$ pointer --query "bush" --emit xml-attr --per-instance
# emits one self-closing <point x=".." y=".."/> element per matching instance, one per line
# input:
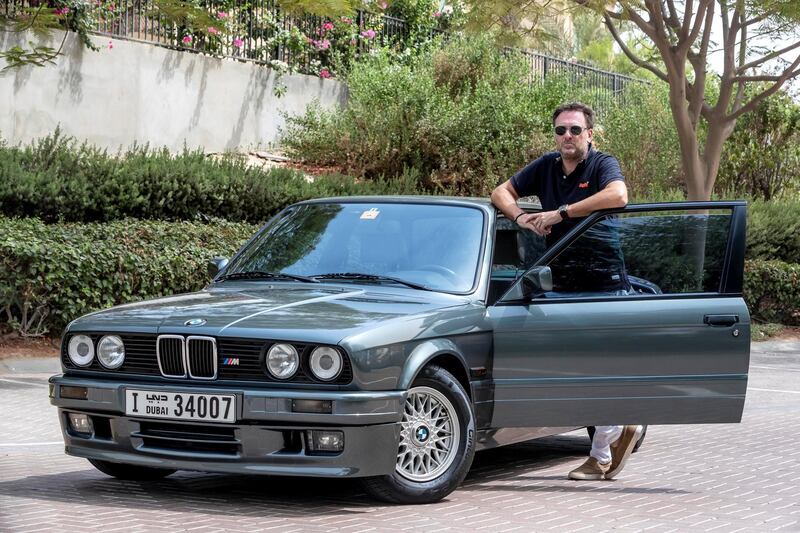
<point x="464" y="116"/>
<point x="55" y="273"/>
<point x="762" y="156"/>
<point x="58" y="180"/>
<point x="772" y="291"/>
<point x="773" y="230"/>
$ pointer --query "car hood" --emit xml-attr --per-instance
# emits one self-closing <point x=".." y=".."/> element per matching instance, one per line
<point x="324" y="314"/>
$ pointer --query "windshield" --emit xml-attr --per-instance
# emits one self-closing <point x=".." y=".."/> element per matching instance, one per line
<point x="434" y="246"/>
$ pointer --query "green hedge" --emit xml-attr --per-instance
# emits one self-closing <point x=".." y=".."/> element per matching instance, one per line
<point x="772" y="291"/>
<point x="58" y="180"/>
<point x="773" y="230"/>
<point x="52" y="274"/>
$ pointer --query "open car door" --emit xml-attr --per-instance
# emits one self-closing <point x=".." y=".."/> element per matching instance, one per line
<point x="634" y="317"/>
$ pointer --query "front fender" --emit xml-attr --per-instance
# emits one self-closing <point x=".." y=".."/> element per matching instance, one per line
<point x="423" y="354"/>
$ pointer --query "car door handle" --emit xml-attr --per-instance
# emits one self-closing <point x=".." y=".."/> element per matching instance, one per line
<point x="721" y="320"/>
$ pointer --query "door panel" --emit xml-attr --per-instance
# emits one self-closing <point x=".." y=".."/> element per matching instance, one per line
<point x="646" y="361"/>
<point x="645" y="325"/>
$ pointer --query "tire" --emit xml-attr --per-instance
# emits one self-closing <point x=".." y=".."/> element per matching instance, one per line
<point x="130" y="472"/>
<point x="590" y="431"/>
<point x="427" y="470"/>
<point x="641" y="439"/>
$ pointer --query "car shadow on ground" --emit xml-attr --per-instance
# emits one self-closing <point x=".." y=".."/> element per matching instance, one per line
<point x="274" y="496"/>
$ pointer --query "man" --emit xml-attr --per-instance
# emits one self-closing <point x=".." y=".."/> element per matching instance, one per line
<point x="571" y="183"/>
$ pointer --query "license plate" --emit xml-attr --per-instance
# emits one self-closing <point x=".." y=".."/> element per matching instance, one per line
<point x="181" y="405"/>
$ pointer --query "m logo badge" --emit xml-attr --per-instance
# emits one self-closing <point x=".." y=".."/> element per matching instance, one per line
<point x="230" y="361"/>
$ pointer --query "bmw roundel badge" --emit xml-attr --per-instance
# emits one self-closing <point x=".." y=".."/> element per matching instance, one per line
<point x="195" y="322"/>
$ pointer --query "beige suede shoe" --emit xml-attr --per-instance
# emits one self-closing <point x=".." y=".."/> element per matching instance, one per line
<point x="591" y="470"/>
<point x="621" y="449"/>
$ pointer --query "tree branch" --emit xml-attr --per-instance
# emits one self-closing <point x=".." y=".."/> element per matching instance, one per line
<point x="768" y="57"/>
<point x="737" y="101"/>
<point x="699" y="24"/>
<point x="629" y="53"/>
<point x="756" y="20"/>
<point x="792" y="72"/>
<point x="687" y="18"/>
<point x="673" y="19"/>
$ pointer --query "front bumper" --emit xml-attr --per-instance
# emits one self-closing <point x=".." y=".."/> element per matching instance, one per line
<point x="267" y="437"/>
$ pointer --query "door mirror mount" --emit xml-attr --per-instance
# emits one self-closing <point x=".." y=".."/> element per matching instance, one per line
<point x="534" y="282"/>
<point x="216" y="265"/>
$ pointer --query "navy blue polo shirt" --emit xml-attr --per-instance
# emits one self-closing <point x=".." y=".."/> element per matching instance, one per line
<point x="545" y="179"/>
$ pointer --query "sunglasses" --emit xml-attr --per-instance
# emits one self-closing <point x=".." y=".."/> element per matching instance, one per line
<point x="574" y="130"/>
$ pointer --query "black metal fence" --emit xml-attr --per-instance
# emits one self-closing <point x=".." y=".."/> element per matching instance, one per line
<point x="261" y="31"/>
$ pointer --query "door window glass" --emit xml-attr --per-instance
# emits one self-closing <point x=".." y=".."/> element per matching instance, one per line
<point x="659" y="252"/>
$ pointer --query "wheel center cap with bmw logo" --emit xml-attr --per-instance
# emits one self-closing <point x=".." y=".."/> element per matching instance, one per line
<point x="195" y="322"/>
<point x="421" y="434"/>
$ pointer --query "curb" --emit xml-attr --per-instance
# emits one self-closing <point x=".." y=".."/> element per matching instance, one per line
<point x="31" y="365"/>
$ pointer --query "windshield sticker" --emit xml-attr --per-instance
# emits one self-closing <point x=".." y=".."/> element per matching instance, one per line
<point x="372" y="214"/>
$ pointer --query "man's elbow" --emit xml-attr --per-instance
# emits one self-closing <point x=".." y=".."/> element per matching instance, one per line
<point x="622" y="198"/>
<point x="619" y="196"/>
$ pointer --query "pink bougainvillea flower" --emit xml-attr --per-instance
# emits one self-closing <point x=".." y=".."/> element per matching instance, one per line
<point x="323" y="44"/>
<point x="238" y="43"/>
<point x="328" y="26"/>
<point x="187" y="39"/>
<point x="383" y="4"/>
<point x="324" y="73"/>
<point x="62" y="11"/>
<point x="221" y="15"/>
<point x="369" y="34"/>
<point x="213" y="31"/>
<point x="437" y="14"/>
<point x="346" y="20"/>
<point x="110" y="45"/>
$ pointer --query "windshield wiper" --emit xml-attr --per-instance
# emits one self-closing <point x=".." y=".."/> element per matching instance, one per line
<point x="257" y="274"/>
<point x="370" y="277"/>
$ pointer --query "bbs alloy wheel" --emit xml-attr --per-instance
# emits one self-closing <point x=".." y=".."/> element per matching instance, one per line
<point x="437" y="442"/>
<point x="429" y="435"/>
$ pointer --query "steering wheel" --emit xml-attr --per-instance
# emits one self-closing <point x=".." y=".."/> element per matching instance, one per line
<point x="444" y="271"/>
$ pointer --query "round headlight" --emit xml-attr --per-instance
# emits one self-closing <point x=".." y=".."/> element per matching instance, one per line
<point x="282" y="361"/>
<point x="111" y="352"/>
<point x="81" y="350"/>
<point x="326" y="363"/>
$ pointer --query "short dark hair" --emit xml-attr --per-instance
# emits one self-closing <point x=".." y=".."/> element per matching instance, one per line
<point x="576" y="106"/>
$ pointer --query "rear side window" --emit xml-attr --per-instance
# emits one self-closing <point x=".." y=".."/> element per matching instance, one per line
<point x="658" y="252"/>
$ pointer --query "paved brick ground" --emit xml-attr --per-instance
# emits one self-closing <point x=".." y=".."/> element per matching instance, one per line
<point x="724" y="478"/>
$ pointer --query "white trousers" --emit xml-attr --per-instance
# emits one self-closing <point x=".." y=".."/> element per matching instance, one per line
<point x="601" y="443"/>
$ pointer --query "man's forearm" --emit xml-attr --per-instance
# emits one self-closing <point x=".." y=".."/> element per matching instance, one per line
<point x="506" y="202"/>
<point x="608" y="198"/>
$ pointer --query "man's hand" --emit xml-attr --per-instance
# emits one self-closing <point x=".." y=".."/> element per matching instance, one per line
<point x="540" y="223"/>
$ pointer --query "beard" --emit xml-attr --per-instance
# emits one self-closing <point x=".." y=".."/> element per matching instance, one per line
<point x="577" y="153"/>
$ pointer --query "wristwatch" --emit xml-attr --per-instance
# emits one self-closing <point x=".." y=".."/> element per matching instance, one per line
<point x="563" y="211"/>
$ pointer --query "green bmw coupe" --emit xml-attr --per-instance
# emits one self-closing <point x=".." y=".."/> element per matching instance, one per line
<point x="389" y="338"/>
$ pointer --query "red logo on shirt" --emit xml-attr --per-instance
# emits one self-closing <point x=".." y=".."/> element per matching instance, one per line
<point x="583" y="185"/>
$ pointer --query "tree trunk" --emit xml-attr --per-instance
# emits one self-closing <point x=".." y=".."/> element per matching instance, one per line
<point x="693" y="167"/>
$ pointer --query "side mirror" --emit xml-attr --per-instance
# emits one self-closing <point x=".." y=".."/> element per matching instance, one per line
<point x="534" y="282"/>
<point x="216" y="265"/>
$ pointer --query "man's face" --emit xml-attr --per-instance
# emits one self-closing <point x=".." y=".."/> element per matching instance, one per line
<point x="572" y="147"/>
